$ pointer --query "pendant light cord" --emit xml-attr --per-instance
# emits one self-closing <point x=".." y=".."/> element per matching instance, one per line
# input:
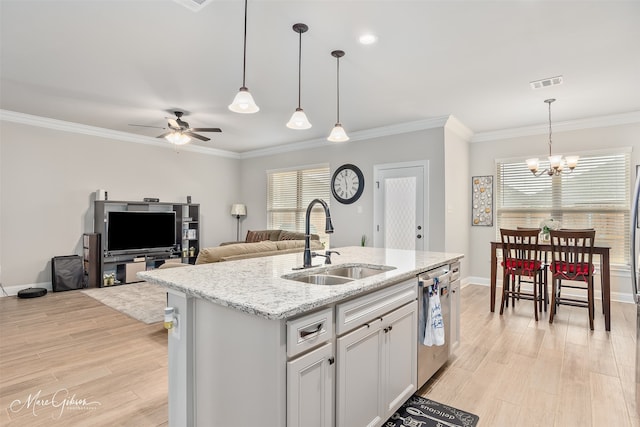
<point x="244" y="57"/>
<point x="338" y="89"/>
<point x="550" y="128"/>
<point x="299" y="67"/>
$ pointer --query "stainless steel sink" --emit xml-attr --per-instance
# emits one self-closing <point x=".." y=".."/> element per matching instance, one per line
<point x="338" y="274"/>
<point x="356" y="271"/>
<point x="323" y="279"/>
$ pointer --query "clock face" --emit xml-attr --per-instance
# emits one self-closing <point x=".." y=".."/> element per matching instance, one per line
<point x="347" y="184"/>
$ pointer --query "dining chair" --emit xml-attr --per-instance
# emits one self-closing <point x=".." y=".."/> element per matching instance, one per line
<point x="572" y="260"/>
<point x="542" y="271"/>
<point x="521" y="258"/>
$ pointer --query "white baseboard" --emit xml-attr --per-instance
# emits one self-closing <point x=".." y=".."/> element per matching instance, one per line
<point x="13" y="290"/>
<point x="615" y="296"/>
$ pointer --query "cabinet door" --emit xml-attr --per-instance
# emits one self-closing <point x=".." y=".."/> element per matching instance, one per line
<point x="310" y="385"/>
<point x="454" y="322"/>
<point x="400" y="356"/>
<point x="359" y="378"/>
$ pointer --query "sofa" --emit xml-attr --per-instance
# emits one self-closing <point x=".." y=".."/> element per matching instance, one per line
<point x="257" y="244"/>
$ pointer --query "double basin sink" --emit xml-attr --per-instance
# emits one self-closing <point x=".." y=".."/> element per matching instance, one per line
<point x="338" y="274"/>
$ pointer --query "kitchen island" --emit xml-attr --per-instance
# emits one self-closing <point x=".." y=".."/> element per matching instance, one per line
<point x="243" y="331"/>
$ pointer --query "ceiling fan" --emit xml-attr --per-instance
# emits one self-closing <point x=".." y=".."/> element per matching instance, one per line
<point x="180" y="132"/>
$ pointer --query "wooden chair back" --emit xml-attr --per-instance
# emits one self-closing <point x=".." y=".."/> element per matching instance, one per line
<point x="520" y="251"/>
<point x="572" y="254"/>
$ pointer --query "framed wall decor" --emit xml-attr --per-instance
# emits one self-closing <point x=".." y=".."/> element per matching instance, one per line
<point x="482" y="200"/>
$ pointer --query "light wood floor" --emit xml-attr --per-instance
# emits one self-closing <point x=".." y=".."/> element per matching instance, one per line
<point x="513" y="371"/>
<point x="509" y="370"/>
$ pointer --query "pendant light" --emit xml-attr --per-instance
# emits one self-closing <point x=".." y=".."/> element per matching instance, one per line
<point x="243" y="102"/>
<point x="337" y="133"/>
<point x="299" y="118"/>
<point x="557" y="162"/>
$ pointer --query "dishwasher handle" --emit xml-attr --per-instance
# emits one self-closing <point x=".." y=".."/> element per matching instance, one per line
<point x="429" y="281"/>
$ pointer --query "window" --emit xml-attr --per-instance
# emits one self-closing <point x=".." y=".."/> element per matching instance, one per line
<point x="595" y="195"/>
<point x="290" y="192"/>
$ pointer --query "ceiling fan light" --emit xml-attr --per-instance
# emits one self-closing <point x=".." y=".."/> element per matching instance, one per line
<point x="243" y="102"/>
<point x="299" y="120"/>
<point x="338" y="134"/>
<point x="178" y="138"/>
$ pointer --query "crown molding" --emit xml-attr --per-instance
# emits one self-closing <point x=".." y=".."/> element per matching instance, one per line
<point x="589" y="123"/>
<point x="432" y="123"/>
<point x="61" y="125"/>
<point x="459" y="128"/>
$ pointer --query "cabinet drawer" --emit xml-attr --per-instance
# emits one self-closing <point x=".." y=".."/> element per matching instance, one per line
<point x="359" y="311"/>
<point x="455" y="271"/>
<point x="309" y="331"/>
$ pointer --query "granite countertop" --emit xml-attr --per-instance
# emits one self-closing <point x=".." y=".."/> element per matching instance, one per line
<point x="255" y="285"/>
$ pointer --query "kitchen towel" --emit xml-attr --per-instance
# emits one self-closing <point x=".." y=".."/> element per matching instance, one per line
<point x="434" y="324"/>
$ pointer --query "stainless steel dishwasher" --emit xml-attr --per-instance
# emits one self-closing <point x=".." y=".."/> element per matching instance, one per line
<point x="430" y="359"/>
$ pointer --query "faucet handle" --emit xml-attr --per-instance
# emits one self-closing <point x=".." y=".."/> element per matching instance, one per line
<point x="331" y="252"/>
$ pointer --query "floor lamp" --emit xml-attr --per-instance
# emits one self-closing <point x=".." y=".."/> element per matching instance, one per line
<point x="238" y="210"/>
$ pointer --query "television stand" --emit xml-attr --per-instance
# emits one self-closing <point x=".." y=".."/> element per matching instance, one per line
<point x="124" y="266"/>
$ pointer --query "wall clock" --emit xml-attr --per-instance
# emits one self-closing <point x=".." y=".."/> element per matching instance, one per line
<point x="347" y="183"/>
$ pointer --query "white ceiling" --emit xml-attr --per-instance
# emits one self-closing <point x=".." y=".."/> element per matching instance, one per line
<point x="114" y="63"/>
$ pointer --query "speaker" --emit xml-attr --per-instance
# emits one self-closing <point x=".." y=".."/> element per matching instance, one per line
<point x="66" y="273"/>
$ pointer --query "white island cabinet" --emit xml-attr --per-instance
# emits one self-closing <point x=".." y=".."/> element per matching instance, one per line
<point x="252" y="348"/>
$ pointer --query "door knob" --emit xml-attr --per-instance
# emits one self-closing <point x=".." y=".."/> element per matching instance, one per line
<point x="419" y="236"/>
<point x="419" y="227"/>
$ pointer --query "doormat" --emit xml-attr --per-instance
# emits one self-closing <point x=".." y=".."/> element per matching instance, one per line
<point x="419" y="411"/>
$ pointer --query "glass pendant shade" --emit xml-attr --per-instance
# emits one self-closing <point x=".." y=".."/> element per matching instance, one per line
<point x="178" y="138"/>
<point x="338" y="134"/>
<point x="299" y="120"/>
<point x="533" y="164"/>
<point x="243" y="103"/>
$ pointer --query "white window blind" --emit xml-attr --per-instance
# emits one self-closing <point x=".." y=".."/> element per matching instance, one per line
<point x="595" y="195"/>
<point x="288" y="195"/>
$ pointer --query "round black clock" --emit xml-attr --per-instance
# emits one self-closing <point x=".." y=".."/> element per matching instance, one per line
<point x="347" y="184"/>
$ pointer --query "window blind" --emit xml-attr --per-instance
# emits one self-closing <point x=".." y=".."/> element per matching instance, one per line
<point x="595" y="195"/>
<point x="288" y="195"/>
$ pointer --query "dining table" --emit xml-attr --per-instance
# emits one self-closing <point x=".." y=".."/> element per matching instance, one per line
<point x="605" y="274"/>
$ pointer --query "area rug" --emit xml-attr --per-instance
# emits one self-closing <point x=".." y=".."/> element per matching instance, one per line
<point x="422" y="412"/>
<point x="142" y="301"/>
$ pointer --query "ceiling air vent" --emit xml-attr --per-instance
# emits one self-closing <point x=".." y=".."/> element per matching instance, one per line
<point x="551" y="81"/>
<point x="194" y="5"/>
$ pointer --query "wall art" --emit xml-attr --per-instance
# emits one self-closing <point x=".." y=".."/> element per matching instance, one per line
<point x="482" y="200"/>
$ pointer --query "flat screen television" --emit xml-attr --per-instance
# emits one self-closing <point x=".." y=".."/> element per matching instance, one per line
<point x="140" y="231"/>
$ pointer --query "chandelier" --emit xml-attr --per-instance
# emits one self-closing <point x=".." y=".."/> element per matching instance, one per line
<point x="557" y="163"/>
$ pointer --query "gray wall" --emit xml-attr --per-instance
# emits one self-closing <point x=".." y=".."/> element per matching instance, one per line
<point x="483" y="155"/>
<point x="47" y="184"/>
<point x="349" y="223"/>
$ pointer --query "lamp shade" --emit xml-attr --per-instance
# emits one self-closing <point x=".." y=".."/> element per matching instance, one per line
<point x="338" y="134"/>
<point x="243" y="103"/>
<point x="178" y="138"/>
<point x="238" y="209"/>
<point x="299" y="120"/>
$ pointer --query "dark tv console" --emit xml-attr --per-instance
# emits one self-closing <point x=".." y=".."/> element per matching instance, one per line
<point x="143" y="236"/>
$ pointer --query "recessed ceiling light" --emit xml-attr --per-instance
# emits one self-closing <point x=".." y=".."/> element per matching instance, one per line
<point x="368" y="38"/>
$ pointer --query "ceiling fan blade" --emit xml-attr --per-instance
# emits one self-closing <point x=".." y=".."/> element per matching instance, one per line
<point x="206" y="130"/>
<point x="195" y="135"/>
<point x="146" y="126"/>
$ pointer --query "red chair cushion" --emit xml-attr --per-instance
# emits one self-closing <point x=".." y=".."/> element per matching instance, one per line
<point x="524" y="265"/>
<point x="568" y="270"/>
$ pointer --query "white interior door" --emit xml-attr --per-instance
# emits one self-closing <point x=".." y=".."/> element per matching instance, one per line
<point x="399" y="206"/>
